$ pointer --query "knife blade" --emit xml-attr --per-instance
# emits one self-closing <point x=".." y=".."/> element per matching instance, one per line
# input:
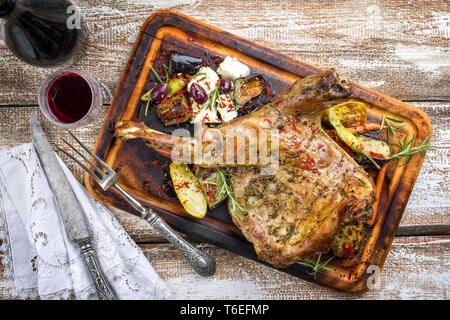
<point x="69" y="209"/>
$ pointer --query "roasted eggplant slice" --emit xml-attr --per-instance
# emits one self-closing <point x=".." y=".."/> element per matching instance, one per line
<point x="174" y="110"/>
<point x="184" y="64"/>
<point x="247" y="89"/>
<point x="376" y="148"/>
<point x="372" y="144"/>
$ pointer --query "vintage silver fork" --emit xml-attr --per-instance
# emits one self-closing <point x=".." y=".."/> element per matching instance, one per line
<point x="200" y="261"/>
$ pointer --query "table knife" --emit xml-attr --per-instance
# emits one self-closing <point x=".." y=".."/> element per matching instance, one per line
<point x="69" y="209"/>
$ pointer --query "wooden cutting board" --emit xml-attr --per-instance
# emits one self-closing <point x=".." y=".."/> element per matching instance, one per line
<point x="144" y="173"/>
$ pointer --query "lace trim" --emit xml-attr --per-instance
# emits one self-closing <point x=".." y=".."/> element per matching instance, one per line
<point x="7" y="261"/>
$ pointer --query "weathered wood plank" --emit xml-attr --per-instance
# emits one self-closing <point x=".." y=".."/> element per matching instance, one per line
<point x="398" y="47"/>
<point x="429" y="203"/>
<point x="416" y="268"/>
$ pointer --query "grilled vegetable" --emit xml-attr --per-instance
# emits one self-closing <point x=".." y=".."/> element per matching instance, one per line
<point x="184" y="64"/>
<point x="174" y="110"/>
<point x="347" y="241"/>
<point x="349" y="138"/>
<point x="351" y="113"/>
<point x="188" y="189"/>
<point x="212" y="185"/>
<point x="175" y="85"/>
<point x="247" y="89"/>
<point x="376" y="148"/>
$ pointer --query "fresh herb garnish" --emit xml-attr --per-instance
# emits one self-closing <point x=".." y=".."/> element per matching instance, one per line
<point x="315" y="266"/>
<point x="212" y="101"/>
<point x="407" y="150"/>
<point x="225" y="187"/>
<point x="156" y="74"/>
<point x="391" y="128"/>
<point x="146" y="96"/>
<point x="405" y="145"/>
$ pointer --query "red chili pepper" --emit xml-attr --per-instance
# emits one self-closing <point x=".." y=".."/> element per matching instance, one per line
<point x="267" y="90"/>
<point x="155" y="162"/>
<point x="294" y="125"/>
<point x="211" y="195"/>
<point x="376" y="155"/>
<point x="165" y="165"/>
<point x="145" y="163"/>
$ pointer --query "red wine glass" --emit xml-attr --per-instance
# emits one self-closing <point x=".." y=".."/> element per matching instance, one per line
<point x="70" y="98"/>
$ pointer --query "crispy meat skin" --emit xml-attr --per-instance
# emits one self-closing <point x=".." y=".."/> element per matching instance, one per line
<point x="295" y="212"/>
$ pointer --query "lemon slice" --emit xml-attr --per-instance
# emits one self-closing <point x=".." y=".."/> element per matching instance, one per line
<point x="188" y="189"/>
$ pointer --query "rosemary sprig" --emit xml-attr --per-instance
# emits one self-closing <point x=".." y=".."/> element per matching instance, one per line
<point x="315" y="266"/>
<point x="407" y="150"/>
<point x="405" y="145"/>
<point x="212" y="102"/>
<point x="391" y="128"/>
<point x="156" y="74"/>
<point x="146" y="96"/>
<point x="225" y="187"/>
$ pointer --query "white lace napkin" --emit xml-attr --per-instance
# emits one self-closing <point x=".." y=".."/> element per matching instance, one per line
<point x="39" y="259"/>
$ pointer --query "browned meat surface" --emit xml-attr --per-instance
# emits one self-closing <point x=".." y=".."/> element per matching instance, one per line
<point x="295" y="211"/>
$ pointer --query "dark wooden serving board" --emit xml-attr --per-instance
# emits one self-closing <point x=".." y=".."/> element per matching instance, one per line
<point x="144" y="174"/>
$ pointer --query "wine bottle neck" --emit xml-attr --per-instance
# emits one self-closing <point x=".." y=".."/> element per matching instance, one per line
<point x="6" y="6"/>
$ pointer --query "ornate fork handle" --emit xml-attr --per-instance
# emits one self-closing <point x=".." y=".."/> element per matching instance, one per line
<point x="202" y="263"/>
<point x="105" y="292"/>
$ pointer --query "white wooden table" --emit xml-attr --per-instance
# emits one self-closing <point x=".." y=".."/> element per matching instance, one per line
<point x="400" y="48"/>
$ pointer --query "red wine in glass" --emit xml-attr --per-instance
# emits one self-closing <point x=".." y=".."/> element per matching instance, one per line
<point x="70" y="98"/>
<point x="37" y="31"/>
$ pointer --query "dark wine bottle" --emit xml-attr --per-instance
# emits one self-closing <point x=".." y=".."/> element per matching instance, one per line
<point x="38" y="32"/>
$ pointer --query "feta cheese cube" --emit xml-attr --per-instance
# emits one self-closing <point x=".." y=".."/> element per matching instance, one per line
<point x="226" y="107"/>
<point x="232" y="69"/>
<point x="207" y="78"/>
<point x="199" y="112"/>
